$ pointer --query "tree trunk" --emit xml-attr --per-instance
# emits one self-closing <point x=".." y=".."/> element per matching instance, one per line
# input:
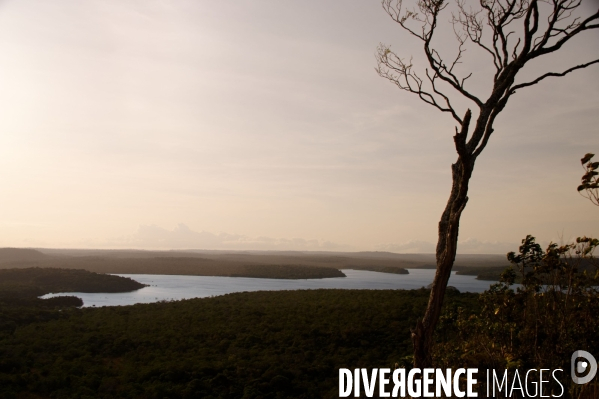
<point x="422" y="335"/>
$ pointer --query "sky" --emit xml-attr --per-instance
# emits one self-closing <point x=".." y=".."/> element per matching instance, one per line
<point x="204" y="124"/>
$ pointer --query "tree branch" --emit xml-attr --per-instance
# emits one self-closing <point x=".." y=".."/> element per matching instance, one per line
<point x="517" y="36"/>
<point x="394" y="69"/>
<point x="556" y="74"/>
<point x="569" y="32"/>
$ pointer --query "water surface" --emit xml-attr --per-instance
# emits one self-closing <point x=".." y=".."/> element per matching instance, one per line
<point x="167" y="287"/>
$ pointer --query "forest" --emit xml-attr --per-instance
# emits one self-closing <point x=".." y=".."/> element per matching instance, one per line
<point x="288" y="344"/>
<point x="245" y="345"/>
<point x="20" y="290"/>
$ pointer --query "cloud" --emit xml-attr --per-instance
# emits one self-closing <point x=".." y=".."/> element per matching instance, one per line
<point x="182" y="237"/>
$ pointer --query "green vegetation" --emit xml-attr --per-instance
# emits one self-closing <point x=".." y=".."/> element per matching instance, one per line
<point x="65" y="280"/>
<point x="589" y="183"/>
<point x="286" y="344"/>
<point x="540" y="324"/>
<point x="188" y="267"/>
<point x="280" y="344"/>
<point x="20" y="289"/>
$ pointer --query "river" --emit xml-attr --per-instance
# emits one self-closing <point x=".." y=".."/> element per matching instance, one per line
<point x="168" y="287"/>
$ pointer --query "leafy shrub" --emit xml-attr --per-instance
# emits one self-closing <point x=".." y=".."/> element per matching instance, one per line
<point x="540" y="323"/>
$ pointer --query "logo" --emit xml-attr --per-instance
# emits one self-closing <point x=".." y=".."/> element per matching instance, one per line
<point x="579" y="367"/>
<point x="430" y="382"/>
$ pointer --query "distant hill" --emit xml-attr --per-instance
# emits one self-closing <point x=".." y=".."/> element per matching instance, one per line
<point x="264" y="264"/>
<point x="10" y="255"/>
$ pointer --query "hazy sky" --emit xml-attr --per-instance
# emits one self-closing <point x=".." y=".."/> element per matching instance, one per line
<point x="263" y="125"/>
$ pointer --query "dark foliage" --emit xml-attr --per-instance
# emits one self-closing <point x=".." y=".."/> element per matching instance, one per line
<point x="539" y="324"/>
<point x="589" y="183"/>
<point x="190" y="266"/>
<point x="65" y="280"/>
<point x="247" y="345"/>
<point x="20" y="289"/>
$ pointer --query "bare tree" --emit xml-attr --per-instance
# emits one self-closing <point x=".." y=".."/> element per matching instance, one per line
<point x="512" y="33"/>
<point x="589" y="187"/>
